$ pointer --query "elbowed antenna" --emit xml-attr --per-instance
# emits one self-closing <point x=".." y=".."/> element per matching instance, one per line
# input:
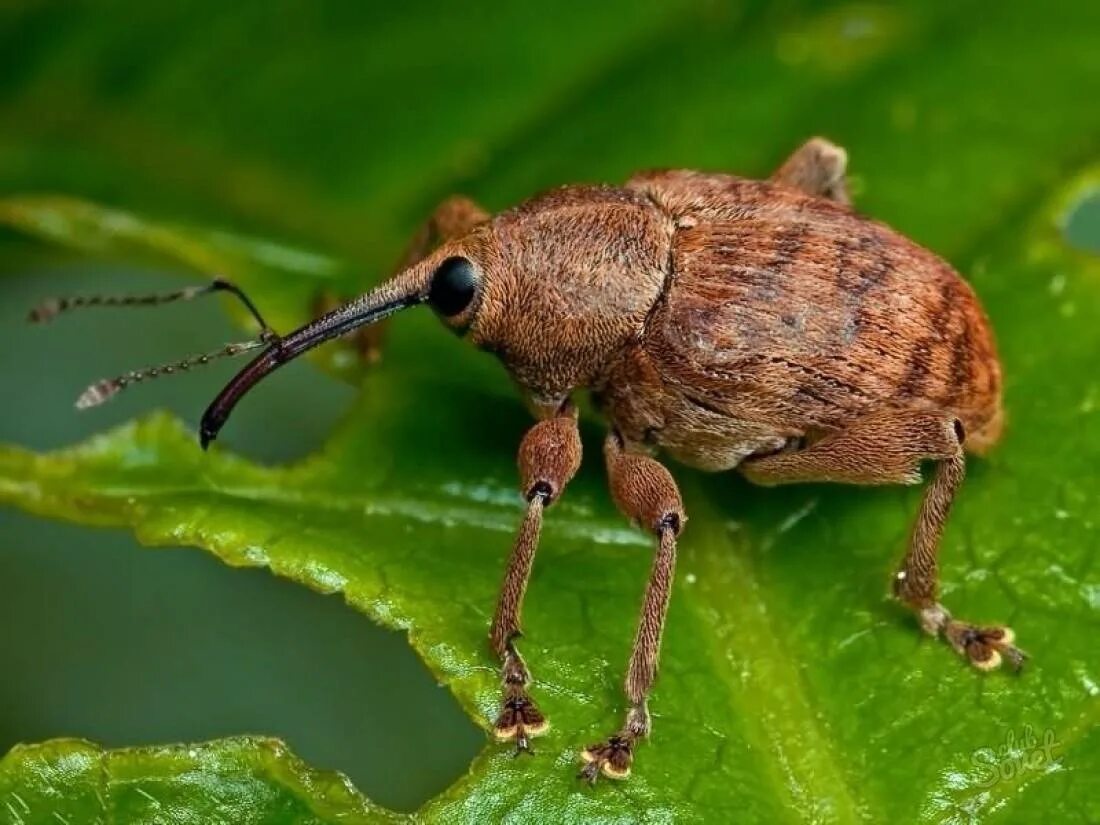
<point x="405" y="290"/>
<point x="106" y="389"/>
<point x="52" y="307"/>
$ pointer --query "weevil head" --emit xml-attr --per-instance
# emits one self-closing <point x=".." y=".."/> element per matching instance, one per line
<point x="555" y="288"/>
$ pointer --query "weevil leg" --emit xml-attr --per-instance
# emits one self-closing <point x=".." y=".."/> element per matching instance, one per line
<point x="645" y="491"/>
<point x="452" y="218"/>
<point x="888" y="448"/>
<point x="549" y="456"/>
<point x="917" y="580"/>
<point x="519" y="717"/>
<point x="455" y="216"/>
<point x="818" y="168"/>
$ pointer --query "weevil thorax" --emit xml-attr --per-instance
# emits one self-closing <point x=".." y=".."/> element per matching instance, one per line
<point x="565" y="281"/>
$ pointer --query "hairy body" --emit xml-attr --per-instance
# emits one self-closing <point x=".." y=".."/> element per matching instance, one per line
<point x="785" y="317"/>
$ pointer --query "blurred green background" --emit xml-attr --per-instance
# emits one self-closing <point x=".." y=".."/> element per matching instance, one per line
<point x="335" y="127"/>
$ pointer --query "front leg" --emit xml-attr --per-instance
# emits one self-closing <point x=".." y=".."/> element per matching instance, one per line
<point x="645" y="491"/>
<point x="817" y="167"/>
<point x="453" y="218"/>
<point x="549" y="457"/>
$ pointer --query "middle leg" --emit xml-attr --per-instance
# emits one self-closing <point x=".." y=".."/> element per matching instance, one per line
<point x="646" y="492"/>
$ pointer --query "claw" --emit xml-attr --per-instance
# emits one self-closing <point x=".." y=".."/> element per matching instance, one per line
<point x="519" y="719"/>
<point x="985" y="647"/>
<point x="612" y="758"/>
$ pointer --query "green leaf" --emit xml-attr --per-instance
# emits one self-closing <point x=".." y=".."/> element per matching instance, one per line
<point x="244" y="780"/>
<point x="792" y="688"/>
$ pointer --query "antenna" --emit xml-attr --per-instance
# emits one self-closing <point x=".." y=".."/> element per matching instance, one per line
<point x="106" y="389"/>
<point x="52" y="307"/>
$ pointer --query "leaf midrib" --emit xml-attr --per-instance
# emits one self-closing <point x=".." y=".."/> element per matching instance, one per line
<point x="781" y="721"/>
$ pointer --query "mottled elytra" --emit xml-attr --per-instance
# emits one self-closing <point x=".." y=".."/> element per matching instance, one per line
<point x="729" y="323"/>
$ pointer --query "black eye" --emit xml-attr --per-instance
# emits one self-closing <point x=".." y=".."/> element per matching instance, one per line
<point x="453" y="287"/>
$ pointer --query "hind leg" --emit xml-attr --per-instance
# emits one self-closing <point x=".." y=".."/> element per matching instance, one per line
<point x="887" y="448"/>
<point x="817" y="167"/>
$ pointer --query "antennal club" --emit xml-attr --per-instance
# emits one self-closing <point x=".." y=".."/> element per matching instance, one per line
<point x="106" y="389"/>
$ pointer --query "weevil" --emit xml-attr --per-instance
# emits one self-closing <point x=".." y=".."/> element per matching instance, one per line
<point x="732" y="324"/>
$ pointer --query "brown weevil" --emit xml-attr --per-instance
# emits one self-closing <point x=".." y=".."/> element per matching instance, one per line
<point x="731" y="323"/>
